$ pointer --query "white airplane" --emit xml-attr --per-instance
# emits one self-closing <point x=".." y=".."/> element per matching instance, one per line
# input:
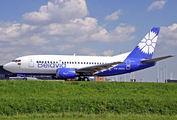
<point x="81" y="67"/>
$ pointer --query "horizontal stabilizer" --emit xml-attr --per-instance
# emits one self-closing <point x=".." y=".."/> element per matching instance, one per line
<point x="157" y="59"/>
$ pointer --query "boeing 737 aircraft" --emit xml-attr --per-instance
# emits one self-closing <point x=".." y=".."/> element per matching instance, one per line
<point x="81" y="67"/>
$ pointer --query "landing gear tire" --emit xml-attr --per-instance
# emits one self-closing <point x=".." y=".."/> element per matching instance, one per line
<point x="24" y="78"/>
<point x="86" y="79"/>
<point x="81" y="78"/>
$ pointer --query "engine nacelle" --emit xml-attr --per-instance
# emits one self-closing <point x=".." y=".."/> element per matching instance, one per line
<point x="65" y="73"/>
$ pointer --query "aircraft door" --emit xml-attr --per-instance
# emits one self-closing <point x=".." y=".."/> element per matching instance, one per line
<point x="31" y="62"/>
<point x="128" y="64"/>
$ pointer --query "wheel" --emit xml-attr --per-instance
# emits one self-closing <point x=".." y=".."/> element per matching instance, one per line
<point x="76" y="79"/>
<point x="24" y="78"/>
<point x="86" y="79"/>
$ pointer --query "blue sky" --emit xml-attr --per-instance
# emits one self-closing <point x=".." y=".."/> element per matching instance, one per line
<point x="88" y="27"/>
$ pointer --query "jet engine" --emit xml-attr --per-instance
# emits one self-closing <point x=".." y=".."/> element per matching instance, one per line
<point x="65" y="73"/>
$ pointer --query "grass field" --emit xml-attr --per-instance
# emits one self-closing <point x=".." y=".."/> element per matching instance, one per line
<point x="53" y="99"/>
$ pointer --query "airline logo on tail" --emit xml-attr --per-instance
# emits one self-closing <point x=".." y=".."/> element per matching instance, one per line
<point x="145" y="48"/>
<point x="148" y="43"/>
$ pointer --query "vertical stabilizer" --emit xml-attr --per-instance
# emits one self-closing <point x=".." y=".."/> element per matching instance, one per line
<point x="145" y="48"/>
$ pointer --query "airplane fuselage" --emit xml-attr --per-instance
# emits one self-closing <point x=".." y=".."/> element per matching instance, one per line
<point x="48" y="64"/>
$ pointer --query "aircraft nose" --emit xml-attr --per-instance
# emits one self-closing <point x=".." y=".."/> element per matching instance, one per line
<point x="7" y="66"/>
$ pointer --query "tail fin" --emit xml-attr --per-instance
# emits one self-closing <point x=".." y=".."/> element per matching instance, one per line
<point x="145" y="48"/>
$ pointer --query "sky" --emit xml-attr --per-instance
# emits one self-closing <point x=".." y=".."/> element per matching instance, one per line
<point x="89" y="27"/>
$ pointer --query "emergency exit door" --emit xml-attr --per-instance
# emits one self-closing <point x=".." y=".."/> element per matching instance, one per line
<point x="31" y="62"/>
<point x="128" y="64"/>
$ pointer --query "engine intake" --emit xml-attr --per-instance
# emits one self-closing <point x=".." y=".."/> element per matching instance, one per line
<point x="65" y="73"/>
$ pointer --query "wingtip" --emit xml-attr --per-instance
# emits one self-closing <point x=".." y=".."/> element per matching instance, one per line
<point x="172" y="55"/>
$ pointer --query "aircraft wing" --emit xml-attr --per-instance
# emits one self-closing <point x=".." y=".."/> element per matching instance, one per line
<point x="97" y="68"/>
<point x="157" y="59"/>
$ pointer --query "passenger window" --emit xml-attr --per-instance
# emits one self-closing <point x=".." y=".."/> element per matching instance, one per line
<point x="78" y="62"/>
<point x="53" y="61"/>
<point x="81" y="62"/>
<point x="36" y="61"/>
<point x="56" y="61"/>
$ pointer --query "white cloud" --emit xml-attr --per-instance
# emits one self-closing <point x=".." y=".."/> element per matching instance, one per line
<point x="59" y="11"/>
<point x="75" y="27"/>
<point x="119" y="34"/>
<point x="87" y="51"/>
<point x="88" y="24"/>
<point x="92" y="54"/>
<point x="102" y="35"/>
<point x="168" y="36"/>
<point x="157" y="5"/>
<point x="79" y="39"/>
<point x="36" y="40"/>
<point x="12" y="32"/>
<point x="8" y="49"/>
<point x="47" y="48"/>
<point x="114" y="15"/>
<point x="62" y="47"/>
<point x="21" y="34"/>
<point x="108" y="52"/>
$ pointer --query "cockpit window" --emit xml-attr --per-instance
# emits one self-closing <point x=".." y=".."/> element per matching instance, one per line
<point x="16" y="60"/>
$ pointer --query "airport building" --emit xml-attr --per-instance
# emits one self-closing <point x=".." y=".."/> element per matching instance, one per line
<point x="4" y="74"/>
<point x="100" y="78"/>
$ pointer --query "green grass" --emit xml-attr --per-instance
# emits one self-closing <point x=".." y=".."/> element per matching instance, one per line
<point x="81" y="116"/>
<point x="88" y="99"/>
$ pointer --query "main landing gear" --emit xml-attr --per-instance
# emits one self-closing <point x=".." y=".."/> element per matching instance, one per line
<point x="82" y="78"/>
